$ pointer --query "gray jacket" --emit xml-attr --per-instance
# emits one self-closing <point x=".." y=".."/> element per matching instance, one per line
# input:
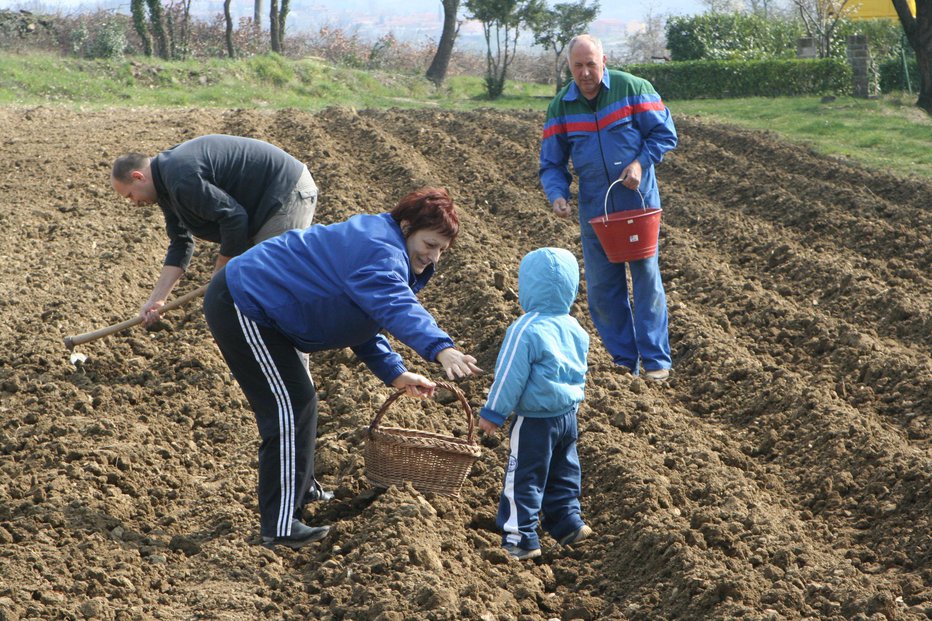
<point x="221" y="189"/>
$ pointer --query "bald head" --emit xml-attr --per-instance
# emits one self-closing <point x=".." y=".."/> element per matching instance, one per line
<point x="587" y="64"/>
<point x="588" y="40"/>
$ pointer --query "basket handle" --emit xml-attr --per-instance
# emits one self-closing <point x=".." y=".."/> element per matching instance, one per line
<point x="451" y="387"/>
<point x="609" y="190"/>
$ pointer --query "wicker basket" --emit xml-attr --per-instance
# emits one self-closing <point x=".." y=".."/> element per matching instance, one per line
<point x="431" y="462"/>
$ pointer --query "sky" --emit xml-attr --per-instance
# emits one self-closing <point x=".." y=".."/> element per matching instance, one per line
<point x="413" y="20"/>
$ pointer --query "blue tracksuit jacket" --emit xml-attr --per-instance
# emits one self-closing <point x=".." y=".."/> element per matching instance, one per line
<point x="334" y="286"/>
<point x="541" y="367"/>
<point x="630" y="122"/>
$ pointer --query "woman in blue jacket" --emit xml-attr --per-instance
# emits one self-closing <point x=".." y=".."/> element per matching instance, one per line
<point x="327" y="287"/>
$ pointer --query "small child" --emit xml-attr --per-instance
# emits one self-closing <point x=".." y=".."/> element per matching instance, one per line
<point x="540" y="375"/>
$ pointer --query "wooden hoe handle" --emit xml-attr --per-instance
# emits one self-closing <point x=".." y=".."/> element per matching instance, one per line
<point x="71" y="341"/>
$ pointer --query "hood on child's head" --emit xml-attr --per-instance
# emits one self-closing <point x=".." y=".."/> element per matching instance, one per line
<point x="548" y="280"/>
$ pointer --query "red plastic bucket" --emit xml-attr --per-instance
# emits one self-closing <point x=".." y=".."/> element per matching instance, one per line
<point x="627" y="235"/>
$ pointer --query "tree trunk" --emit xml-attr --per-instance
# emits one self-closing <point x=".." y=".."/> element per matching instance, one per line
<point x="918" y="31"/>
<point x="157" y="20"/>
<point x="923" y="47"/>
<point x="282" y="18"/>
<point x="273" y="27"/>
<point x="924" y="58"/>
<point x="170" y="30"/>
<point x="182" y="43"/>
<point x="228" y="18"/>
<point x="437" y="72"/>
<point x="257" y="15"/>
<point x="559" y="68"/>
<point x="138" y="10"/>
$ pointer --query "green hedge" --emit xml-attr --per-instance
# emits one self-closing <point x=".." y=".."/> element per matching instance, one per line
<point x="716" y="79"/>
<point x="731" y="36"/>
<point x="739" y="36"/>
<point x="892" y="77"/>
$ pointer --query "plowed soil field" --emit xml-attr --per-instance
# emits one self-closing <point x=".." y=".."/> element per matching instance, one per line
<point x="782" y="473"/>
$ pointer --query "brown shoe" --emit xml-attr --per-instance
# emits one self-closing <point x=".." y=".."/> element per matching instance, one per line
<point x="576" y="536"/>
<point x="522" y="554"/>
<point x="658" y="375"/>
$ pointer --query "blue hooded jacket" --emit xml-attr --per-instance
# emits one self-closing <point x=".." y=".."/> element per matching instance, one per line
<point x="541" y="367"/>
<point x="334" y="286"/>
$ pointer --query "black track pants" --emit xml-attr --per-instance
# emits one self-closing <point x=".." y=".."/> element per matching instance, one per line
<point x="277" y="384"/>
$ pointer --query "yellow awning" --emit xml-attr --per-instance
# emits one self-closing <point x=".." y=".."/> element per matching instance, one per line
<point x="874" y="9"/>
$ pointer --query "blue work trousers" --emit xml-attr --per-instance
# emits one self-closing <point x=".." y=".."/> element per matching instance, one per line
<point x="634" y="340"/>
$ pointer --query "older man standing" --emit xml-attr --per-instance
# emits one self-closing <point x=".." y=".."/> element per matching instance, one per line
<point x="614" y="126"/>
<point x="228" y="189"/>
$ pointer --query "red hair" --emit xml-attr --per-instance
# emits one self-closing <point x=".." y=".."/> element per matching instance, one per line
<point x="428" y="208"/>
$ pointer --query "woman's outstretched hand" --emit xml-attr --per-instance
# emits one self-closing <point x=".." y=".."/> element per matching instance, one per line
<point x="415" y="385"/>
<point x="456" y="364"/>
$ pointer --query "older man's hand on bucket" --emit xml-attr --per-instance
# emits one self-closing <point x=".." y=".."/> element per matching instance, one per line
<point x="631" y="175"/>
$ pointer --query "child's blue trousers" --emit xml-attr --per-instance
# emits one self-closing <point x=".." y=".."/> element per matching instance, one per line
<point x="542" y="480"/>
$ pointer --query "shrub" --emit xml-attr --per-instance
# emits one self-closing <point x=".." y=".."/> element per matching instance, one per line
<point x="109" y="41"/>
<point x="727" y="36"/>
<point x="271" y="68"/>
<point x="95" y="35"/>
<point x="892" y="76"/>
<point x="699" y="79"/>
<point x="884" y="37"/>
<point x="19" y="31"/>
<point x="731" y="36"/>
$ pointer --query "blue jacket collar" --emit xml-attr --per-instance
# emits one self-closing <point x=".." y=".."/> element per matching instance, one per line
<point x="572" y="93"/>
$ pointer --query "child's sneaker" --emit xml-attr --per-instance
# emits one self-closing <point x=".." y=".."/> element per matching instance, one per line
<point x="521" y="553"/>
<point x="576" y="536"/>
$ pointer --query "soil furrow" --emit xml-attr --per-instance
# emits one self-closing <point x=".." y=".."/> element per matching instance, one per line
<point x="782" y="472"/>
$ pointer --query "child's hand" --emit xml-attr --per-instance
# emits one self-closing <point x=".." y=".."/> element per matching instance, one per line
<point x="488" y="427"/>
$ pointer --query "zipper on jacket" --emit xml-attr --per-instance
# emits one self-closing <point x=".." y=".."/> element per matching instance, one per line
<point x="598" y="133"/>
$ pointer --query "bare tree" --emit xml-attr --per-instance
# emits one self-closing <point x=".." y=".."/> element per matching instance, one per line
<point x="282" y="18"/>
<point x="759" y="7"/>
<point x="723" y="6"/>
<point x="918" y="31"/>
<point x="157" y="23"/>
<point x="277" y="17"/>
<point x="138" y="10"/>
<point x="273" y="27"/>
<point x="228" y="18"/>
<point x="502" y="21"/>
<point x="647" y="43"/>
<point x="180" y="40"/>
<point x="437" y="72"/>
<point x="257" y="21"/>
<point x="821" y="18"/>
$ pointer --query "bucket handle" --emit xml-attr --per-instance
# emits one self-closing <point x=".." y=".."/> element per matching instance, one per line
<point x="609" y="190"/>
